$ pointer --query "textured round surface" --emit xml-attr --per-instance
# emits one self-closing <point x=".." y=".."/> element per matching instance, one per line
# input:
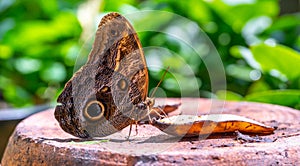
<point x="39" y="140"/>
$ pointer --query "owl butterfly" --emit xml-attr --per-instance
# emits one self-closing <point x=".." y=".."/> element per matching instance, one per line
<point x="109" y="92"/>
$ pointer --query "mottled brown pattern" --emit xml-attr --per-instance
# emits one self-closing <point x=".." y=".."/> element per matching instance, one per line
<point x="115" y="74"/>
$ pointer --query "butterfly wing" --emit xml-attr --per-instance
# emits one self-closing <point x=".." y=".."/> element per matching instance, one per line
<point x="103" y="96"/>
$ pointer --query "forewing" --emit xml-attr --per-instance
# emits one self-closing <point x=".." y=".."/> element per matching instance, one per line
<point x="101" y="97"/>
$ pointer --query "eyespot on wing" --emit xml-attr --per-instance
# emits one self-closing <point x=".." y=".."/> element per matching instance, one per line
<point x="190" y="125"/>
<point x="94" y="110"/>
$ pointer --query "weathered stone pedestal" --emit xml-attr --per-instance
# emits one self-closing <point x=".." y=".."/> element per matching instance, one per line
<point x="38" y="140"/>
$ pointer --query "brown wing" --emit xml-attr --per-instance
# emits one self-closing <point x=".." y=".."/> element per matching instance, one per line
<point x="101" y="97"/>
<point x="118" y="47"/>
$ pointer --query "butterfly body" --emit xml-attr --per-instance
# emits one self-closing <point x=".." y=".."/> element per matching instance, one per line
<point x="109" y="92"/>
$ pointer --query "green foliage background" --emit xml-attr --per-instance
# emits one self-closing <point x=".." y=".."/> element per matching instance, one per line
<point x="40" y="41"/>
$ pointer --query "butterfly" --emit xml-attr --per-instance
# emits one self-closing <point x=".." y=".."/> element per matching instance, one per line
<point x="109" y="92"/>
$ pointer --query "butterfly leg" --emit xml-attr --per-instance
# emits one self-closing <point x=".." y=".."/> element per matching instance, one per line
<point x="136" y="127"/>
<point x="130" y="128"/>
<point x="149" y="111"/>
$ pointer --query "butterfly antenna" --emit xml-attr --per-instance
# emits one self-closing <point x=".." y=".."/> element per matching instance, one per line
<point x="153" y="92"/>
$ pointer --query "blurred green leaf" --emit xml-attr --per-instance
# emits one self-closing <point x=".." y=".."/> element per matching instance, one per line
<point x="4" y="82"/>
<point x="39" y="46"/>
<point x="285" y="22"/>
<point x="235" y="51"/>
<point x="242" y="72"/>
<point x="6" y="25"/>
<point x="116" y="5"/>
<point x="54" y="72"/>
<point x="258" y="86"/>
<point x="4" y="4"/>
<point x="238" y="14"/>
<point x="27" y="65"/>
<point x="50" y="7"/>
<point x="17" y="95"/>
<point x="278" y="58"/>
<point x="5" y="52"/>
<point x="289" y="98"/>
<point x="228" y="95"/>
<point x="32" y="34"/>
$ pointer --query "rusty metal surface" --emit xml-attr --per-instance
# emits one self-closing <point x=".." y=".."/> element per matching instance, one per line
<point x="39" y="140"/>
